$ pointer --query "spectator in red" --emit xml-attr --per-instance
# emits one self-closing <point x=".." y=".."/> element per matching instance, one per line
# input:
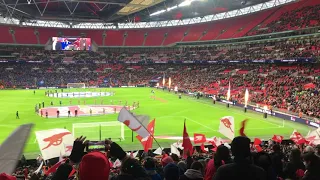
<point x="221" y="157"/>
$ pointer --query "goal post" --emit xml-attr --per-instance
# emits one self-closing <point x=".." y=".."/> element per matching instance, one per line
<point x="99" y="130"/>
<point x="76" y="85"/>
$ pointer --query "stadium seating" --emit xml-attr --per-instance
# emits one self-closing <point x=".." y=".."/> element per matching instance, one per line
<point x="25" y="36"/>
<point x="175" y="35"/>
<point x="114" y="37"/>
<point x="195" y="32"/>
<point x="7" y="37"/>
<point x="294" y="16"/>
<point x="135" y="38"/>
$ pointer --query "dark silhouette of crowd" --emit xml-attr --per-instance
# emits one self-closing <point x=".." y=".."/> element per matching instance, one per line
<point x="239" y="160"/>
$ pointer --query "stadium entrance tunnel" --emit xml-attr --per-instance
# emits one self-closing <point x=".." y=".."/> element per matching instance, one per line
<point x="81" y="110"/>
<point x="80" y="94"/>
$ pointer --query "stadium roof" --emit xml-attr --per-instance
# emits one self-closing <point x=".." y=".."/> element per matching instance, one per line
<point x="114" y="14"/>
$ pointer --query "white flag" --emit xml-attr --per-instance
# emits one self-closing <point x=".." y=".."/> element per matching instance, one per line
<point x="314" y="137"/>
<point x="158" y="151"/>
<point x="129" y="120"/>
<point x="174" y="150"/>
<point x="227" y="126"/>
<point x="12" y="148"/>
<point x="52" y="142"/>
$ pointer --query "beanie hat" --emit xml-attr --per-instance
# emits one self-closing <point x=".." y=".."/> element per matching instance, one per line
<point x="171" y="172"/>
<point x="4" y="176"/>
<point x="94" y="166"/>
<point x="240" y="147"/>
<point x="166" y="161"/>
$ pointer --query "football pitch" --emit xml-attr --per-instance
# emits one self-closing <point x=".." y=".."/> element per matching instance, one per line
<point x="169" y="111"/>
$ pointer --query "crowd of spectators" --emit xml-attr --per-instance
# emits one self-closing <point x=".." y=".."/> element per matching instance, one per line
<point x="270" y="50"/>
<point x="303" y="17"/>
<point x="280" y="86"/>
<point x="239" y="160"/>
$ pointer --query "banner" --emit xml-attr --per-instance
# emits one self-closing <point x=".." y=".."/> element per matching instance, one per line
<point x="227" y="126"/>
<point x="54" y="142"/>
<point x="199" y="138"/>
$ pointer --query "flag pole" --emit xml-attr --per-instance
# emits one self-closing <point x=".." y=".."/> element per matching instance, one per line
<point x="131" y="136"/>
<point x="148" y="132"/>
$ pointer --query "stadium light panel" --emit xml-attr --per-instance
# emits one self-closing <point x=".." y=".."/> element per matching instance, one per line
<point x="185" y="3"/>
<point x="158" y="12"/>
<point x="172" y="8"/>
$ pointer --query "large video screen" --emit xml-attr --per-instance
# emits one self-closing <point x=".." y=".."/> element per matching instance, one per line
<point x="71" y="43"/>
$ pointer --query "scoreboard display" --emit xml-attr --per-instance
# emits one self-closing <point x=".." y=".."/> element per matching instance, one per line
<point x="71" y="43"/>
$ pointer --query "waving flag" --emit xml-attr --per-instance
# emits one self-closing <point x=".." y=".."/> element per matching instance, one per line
<point x="199" y="138"/>
<point x="129" y="120"/>
<point x="257" y="143"/>
<point x="203" y="149"/>
<point x="54" y="142"/>
<point x="215" y="143"/>
<point x="277" y="138"/>
<point x="297" y="138"/>
<point x="158" y="151"/>
<point x="227" y="126"/>
<point x="186" y="144"/>
<point x="313" y="137"/>
<point x="147" y="141"/>
<point x="243" y="126"/>
<point x="174" y="150"/>
<point x="12" y="148"/>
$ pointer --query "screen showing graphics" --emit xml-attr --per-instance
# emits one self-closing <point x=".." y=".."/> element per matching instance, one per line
<point x="71" y="43"/>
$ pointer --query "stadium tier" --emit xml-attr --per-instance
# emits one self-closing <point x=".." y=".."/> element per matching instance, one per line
<point x="299" y="15"/>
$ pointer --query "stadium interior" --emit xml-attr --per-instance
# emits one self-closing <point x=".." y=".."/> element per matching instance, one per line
<point x="224" y="56"/>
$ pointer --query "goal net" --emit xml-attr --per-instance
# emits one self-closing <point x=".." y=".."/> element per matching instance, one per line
<point x="99" y="130"/>
<point x="76" y="85"/>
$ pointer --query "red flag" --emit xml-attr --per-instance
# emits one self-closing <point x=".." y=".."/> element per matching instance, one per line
<point x="258" y="148"/>
<point x="186" y="144"/>
<point x="199" y="138"/>
<point x="203" y="149"/>
<point x="54" y="168"/>
<point x="147" y="141"/>
<point x="277" y="138"/>
<point x="243" y="125"/>
<point x="257" y="141"/>
<point x="310" y="140"/>
<point x="297" y="138"/>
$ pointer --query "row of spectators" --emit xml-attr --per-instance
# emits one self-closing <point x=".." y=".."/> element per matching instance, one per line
<point x="273" y="50"/>
<point x="239" y="161"/>
<point x="303" y="17"/>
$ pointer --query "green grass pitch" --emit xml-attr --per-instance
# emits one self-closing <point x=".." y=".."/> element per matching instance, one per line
<point x="201" y="116"/>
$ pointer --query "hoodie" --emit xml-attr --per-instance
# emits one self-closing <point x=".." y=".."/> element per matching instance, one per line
<point x="192" y="174"/>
